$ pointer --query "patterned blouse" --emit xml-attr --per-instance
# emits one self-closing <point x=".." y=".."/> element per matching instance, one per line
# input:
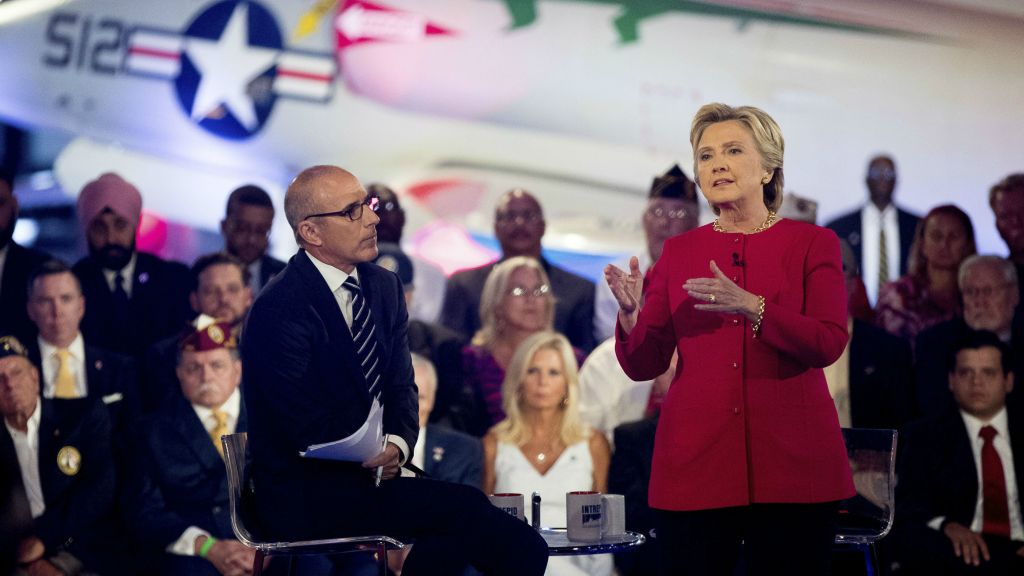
<point x="905" y="308"/>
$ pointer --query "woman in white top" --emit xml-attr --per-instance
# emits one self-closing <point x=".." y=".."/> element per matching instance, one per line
<point x="542" y="445"/>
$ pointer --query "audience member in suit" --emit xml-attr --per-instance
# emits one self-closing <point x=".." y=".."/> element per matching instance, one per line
<point x="246" y="226"/>
<point x="16" y="262"/>
<point x="441" y="345"/>
<point x="872" y="382"/>
<point x="62" y="451"/>
<point x="989" y="285"/>
<point x="442" y="453"/>
<point x="305" y="383"/>
<point x="864" y="229"/>
<point x="430" y="278"/>
<point x="519" y="226"/>
<point x="1007" y="201"/>
<point x="134" y="299"/>
<point x="181" y="514"/>
<point x="958" y="501"/>
<point x="928" y="293"/>
<point x="220" y="291"/>
<point x="629" y="475"/>
<point x="672" y="208"/>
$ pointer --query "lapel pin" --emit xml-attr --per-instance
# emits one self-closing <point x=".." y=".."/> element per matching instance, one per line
<point x="438" y="453"/>
<point x="144" y="277"/>
<point x="69" y="460"/>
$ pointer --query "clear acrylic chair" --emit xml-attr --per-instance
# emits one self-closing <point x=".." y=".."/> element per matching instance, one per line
<point x="867" y="517"/>
<point x="235" y="460"/>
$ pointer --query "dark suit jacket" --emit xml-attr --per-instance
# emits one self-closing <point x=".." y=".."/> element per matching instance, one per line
<point x="881" y="378"/>
<point x="181" y="481"/>
<point x="629" y="475"/>
<point x="159" y="379"/>
<point x="158" y="307"/>
<point x="932" y="351"/>
<point x="443" y="347"/>
<point x="304" y="385"/>
<point x="574" y="311"/>
<point x="14" y="290"/>
<point x="452" y="456"/>
<point x="848" y="227"/>
<point x="937" y="476"/>
<point x="269" y="267"/>
<point x="78" y="506"/>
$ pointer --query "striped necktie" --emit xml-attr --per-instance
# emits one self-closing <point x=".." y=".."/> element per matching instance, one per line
<point x="364" y="336"/>
<point x="883" y="259"/>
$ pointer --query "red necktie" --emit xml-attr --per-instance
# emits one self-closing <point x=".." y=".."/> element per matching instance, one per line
<point x="994" y="501"/>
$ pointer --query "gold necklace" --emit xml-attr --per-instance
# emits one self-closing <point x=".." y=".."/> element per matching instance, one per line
<point x="764" y="225"/>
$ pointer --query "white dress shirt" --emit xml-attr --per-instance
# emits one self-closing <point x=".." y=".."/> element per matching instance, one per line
<point x="607" y="396"/>
<point x="128" y="273"/>
<point x="418" y="458"/>
<point x="50" y="362"/>
<point x="335" y="278"/>
<point x="1001" y="442"/>
<point x="3" y="258"/>
<point x="871" y="221"/>
<point x="26" y="446"/>
<point x="185" y="544"/>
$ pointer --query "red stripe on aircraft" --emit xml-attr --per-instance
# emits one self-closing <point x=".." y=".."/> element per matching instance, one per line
<point x="303" y="75"/>
<point x="154" y="52"/>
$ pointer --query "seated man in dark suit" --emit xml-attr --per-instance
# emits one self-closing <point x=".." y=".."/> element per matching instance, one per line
<point x="958" y="500"/>
<point x="62" y="451"/>
<point x="134" y="299"/>
<point x="519" y="226"/>
<point x="325" y="343"/>
<point x="248" y="218"/>
<point x="629" y="475"/>
<point x="443" y="453"/>
<point x="220" y="291"/>
<point x="181" y="512"/>
<point x="991" y="298"/>
<point x="16" y="262"/>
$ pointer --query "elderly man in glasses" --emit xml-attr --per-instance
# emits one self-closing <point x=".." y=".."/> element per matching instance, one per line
<point x="879" y="232"/>
<point x="324" y="345"/>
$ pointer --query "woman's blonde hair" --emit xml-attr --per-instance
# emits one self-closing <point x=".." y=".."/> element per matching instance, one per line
<point x="767" y="135"/>
<point x="513" y="428"/>
<point x="495" y="288"/>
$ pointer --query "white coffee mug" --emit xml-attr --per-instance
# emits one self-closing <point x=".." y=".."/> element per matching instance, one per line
<point x="510" y="503"/>
<point x="583" y="516"/>
<point x="614" y="515"/>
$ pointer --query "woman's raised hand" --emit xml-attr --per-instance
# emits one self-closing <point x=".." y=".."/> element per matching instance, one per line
<point x="627" y="289"/>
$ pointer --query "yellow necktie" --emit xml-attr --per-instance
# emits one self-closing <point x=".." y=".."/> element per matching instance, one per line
<point x="219" y="429"/>
<point x="64" y="383"/>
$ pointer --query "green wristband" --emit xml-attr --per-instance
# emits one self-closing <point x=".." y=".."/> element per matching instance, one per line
<point x="205" y="548"/>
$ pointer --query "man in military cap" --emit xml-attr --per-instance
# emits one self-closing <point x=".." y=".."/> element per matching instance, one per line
<point x="63" y="452"/>
<point x="181" y="514"/>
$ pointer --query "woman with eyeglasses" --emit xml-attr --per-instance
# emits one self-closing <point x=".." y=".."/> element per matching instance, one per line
<point x="516" y="302"/>
<point x="748" y="455"/>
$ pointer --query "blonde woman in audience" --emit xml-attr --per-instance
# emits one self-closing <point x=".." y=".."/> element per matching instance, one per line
<point x="542" y="445"/>
<point x="517" y="302"/>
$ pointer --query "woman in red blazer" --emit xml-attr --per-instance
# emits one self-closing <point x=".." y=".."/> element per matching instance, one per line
<point x="748" y="448"/>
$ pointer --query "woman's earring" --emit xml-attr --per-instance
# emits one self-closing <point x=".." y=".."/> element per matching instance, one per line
<point x="565" y="401"/>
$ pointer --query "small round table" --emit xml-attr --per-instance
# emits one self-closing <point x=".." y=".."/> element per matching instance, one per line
<point x="560" y="545"/>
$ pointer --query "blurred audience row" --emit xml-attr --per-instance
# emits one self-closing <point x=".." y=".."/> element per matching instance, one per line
<point x="118" y="374"/>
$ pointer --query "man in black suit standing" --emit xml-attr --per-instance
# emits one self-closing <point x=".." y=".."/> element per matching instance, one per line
<point x="181" y="513"/>
<point x="880" y="233"/>
<point x="519" y="226"/>
<point x="958" y="501"/>
<point x="63" y="455"/>
<point x="248" y="218"/>
<point x="134" y="299"/>
<point x="16" y="262"/>
<point x="323" y="343"/>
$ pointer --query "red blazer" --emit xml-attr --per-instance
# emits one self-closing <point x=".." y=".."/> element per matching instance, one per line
<point x="746" y="420"/>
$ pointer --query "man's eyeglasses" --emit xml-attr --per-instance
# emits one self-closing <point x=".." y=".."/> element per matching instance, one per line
<point x="985" y="291"/>
<point x="353" y="212"/>
<point x="509" y="217"/>
<point x="882" y="173"/>
<point x="521" y="291"/>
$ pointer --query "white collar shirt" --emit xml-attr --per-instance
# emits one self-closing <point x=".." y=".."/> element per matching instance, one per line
<point x="232" y="407"/>
<point x="871" y="222"/>
<point x="128" y="273"/>
<point x="26" y="446"/>
<point x="1001" y="442"/>
<point x="50" y="364"/>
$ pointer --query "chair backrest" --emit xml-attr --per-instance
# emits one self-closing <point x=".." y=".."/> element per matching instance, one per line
<point x="867" y="517"/>
<point x="235" y="462"/>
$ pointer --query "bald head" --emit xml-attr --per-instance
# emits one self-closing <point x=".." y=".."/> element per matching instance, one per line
<point x="310" y="190"/>
<point x="519" y="224"/>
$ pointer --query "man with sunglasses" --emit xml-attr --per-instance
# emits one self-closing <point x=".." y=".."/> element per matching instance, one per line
<point x="880" y="233"/>
<point x="325" y="343"/>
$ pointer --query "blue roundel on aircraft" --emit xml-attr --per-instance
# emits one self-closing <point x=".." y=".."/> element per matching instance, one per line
<point x="228" y="66"/>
